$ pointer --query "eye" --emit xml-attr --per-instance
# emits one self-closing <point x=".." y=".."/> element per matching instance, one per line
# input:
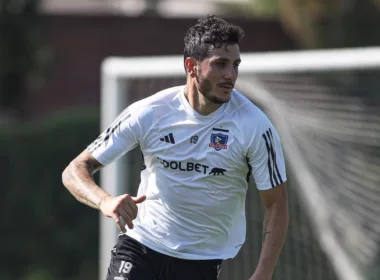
<point x="221" y="63"/>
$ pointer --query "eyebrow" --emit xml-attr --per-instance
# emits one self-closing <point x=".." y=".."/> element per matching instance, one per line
<point x="227" y="60"/>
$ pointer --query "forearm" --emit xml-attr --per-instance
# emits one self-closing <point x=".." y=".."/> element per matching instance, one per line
<point x="78" y="179"/>
<point x="274" y="233"/>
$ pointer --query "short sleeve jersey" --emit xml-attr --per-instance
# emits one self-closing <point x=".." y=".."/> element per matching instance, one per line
<point x="197" y="169"/>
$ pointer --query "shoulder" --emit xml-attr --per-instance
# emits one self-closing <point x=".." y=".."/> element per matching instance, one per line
<point x="247" y="111"/>
<point x="252" y="121"/>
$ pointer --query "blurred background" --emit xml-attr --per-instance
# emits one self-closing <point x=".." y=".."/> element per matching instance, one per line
<point x="50" y="57"/>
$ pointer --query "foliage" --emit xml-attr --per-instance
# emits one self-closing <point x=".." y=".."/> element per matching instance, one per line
<point x="319" y="24"/>
<point x="253" y="8"/>
<point x="23" y="56"/>
<point x="52" y="235"/>
<point x="332" y="24"/>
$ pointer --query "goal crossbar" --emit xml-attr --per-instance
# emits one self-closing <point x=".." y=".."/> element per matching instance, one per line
<point x="290" y="61"/>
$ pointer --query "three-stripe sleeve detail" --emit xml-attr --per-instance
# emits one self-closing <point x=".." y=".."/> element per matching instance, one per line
<point x="274" y="173"/>
<point x="110" y="130"/>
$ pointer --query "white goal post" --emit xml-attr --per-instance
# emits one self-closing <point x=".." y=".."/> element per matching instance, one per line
<point x="115" y="71"/>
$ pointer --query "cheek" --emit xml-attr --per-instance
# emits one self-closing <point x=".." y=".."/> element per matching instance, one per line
<point x="205" y="84"/>
<point x="211" y="74"/>
<point x="202" y="74"/>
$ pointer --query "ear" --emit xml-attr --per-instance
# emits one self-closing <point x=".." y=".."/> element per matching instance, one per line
<point x="191" y="66"/>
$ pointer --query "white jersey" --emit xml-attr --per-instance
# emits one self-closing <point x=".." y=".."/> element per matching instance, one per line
<point x="196" y="170"/>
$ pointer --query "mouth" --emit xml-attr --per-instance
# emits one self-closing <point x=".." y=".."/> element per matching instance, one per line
<point x="227" y="86"/>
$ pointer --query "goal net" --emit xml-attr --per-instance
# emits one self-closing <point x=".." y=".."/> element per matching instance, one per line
<point x="326" y="106"/>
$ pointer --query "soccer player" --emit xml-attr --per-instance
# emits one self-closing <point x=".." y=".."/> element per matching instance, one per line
<point x="200" y="142"/>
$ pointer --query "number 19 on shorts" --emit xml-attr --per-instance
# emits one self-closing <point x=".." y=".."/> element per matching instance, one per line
<point x="125" y="267"/>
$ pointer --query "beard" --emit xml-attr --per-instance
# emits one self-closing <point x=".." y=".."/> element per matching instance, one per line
<point x="205" y="88"/>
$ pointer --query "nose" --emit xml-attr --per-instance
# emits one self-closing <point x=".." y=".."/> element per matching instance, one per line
<point x="230" y="74"/>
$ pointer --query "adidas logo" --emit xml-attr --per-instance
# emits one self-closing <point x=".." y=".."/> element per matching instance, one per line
<point x="168" y="138"/>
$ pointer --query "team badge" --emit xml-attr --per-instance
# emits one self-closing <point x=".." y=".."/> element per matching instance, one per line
<point x="218" y="141"/>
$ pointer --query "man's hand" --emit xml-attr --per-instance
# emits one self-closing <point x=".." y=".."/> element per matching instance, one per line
<point x="123" y="206"/>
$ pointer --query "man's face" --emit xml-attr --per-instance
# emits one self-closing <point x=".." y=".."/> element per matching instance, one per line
<point x="217" y="74"/>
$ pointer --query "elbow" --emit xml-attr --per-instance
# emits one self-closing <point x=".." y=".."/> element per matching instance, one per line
<point x="285" y="210"/>
<point x="283" y="206"/>
<point x="66" y="175"/>
<point x="280" y="209"/>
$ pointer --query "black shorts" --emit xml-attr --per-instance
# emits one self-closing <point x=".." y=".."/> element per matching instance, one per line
<point x="130" y="260"/>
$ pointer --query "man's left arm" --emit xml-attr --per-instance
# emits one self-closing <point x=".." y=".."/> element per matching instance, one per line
<point x="276" y="220"/>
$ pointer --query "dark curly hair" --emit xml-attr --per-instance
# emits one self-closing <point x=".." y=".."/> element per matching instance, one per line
<point x="208" y="33"/>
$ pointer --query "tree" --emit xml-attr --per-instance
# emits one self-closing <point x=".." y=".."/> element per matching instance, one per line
<point x="332" y="23"/>
<point x="22" y="55"/>
<point x="320" y="23"/>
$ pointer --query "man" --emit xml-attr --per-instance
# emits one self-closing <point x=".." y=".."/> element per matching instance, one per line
<point x="200" y="143"/>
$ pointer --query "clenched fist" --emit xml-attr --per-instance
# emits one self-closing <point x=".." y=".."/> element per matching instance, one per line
<point x="123" y="206"/>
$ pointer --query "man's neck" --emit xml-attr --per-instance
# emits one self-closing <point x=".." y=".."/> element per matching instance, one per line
<point x="198" y="102"/>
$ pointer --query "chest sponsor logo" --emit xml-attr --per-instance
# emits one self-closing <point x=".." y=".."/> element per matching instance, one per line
<point x="192" y="167"/>
<point x="217" y="171"/>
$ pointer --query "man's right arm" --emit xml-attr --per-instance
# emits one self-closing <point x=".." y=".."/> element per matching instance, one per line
<point x="120" y="137"/>
<point x="78" y="179"/>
